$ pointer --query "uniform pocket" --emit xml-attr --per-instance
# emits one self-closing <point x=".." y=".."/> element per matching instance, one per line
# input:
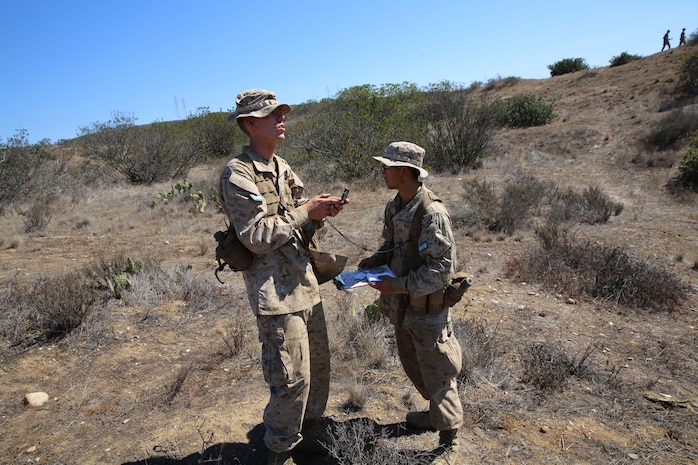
<point x="450" y="349"/>
<point x="277" y="364"/>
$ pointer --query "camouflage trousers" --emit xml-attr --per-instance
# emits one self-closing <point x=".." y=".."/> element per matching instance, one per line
<point x="432" y="358"/>
<point x="296" y="366"/>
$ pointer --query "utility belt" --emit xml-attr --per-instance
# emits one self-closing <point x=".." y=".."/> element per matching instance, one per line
<point x="434" y="303"/>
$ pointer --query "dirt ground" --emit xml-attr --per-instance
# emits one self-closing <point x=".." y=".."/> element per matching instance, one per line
<point x="109" y="385"/>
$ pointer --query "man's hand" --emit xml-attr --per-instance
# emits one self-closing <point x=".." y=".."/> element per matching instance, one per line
<point x="385" y="285"/>
<point x="370" y="262"/>
<point x="324" y="205"/>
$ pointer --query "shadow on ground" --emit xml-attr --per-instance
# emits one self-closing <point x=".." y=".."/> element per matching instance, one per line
<point x="255" y="453"/>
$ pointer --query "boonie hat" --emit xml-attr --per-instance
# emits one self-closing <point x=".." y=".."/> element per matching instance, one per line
<point x="404" y="154"/>
<point x="256" y="103"/>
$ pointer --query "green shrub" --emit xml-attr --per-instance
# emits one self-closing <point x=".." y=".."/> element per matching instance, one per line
<point x="623" y="59"/>
<point x="460" y="129"/>
<point x="692" y="39"/>
<point x="213" y="136"/>
<point x="567" y="65"/>
<point x="522" y="111"/>
<point x="25" y="169"/>
<point x="142" y="154"/>
<point x="688" y="168"/>
<point x="335" y="139"/>
<point x="688" y="72"/>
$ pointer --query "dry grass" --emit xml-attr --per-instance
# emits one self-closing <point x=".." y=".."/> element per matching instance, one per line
<point x="168" y="371"/>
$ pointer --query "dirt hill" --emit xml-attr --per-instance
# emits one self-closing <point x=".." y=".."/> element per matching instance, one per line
<point x="169" y="373"/>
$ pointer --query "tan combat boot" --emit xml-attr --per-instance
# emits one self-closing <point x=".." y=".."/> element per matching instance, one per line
<point x="419" y="420"/>
<point x="447" y="453"/>
<point x="280" y="458"/>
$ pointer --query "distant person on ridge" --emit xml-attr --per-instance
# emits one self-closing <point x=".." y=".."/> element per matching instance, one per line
<point x="666" y="41"/>
<point x="682" y="38"/>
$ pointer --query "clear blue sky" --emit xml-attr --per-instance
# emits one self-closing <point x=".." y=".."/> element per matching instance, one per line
<point x="68" y="64"/>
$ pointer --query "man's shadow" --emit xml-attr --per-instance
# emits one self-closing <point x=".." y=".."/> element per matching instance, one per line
<point x="255" y="452"/>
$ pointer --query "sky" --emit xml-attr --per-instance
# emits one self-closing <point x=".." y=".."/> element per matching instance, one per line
<point x="70" y="64"/>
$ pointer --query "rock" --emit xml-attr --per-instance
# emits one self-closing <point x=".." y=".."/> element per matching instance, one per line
<point x="35" y="399"/>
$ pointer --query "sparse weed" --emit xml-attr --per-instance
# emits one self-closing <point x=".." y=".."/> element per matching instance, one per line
<point x="549" y="367"/>
<point x="362" y="441"/>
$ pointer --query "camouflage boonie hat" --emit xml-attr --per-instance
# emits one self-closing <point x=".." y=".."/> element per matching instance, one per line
<point x="404" y="154"/>
<point x="256" y="103"/>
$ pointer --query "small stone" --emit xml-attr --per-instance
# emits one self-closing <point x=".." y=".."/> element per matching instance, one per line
<point x="35" y="399"/>
<point x="633" y="456"/>
<point x="29" y="450"/>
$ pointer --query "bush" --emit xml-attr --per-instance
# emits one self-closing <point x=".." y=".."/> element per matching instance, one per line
<point x="688" y="72"/>
<point x="460" y="129"/>
<point x="26" y="169"/>
<point x="480" y="351"/>
<point x="522" y="111"/>
<point x="549" y="367"/>
<point x="604" y="272"/>
<point x="507" y="211"/>
<point x="688" y="168"/>
<point x="592" y="206"/>
<point x="213" y="136"/>
<point x="674" y="127"/>
<point x="567" y="65"/>
<point x="334" y="139"/>
<point x="521" y="196"/>
<point x="38" y="216"/>
<point x="143" y="154"/>
<point x="623" y="59"/>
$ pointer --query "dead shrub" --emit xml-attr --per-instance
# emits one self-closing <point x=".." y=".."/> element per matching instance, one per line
<point x="363" y="441"/>
<point x="591" y="206"/>
<point x="37" y="216"/>
<point x="480" y="351"/>
<point x="505" y="212"/>
<point x="549" y="367"/>
<point x="61" y="303"/>
<point x="521" y="196"/>
<point x="361" y="340"/>
<point x="605" y="272"/>
<point x="678" y="125"/>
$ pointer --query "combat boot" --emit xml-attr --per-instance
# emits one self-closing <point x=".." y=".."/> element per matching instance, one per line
<point x="447" y="452"/>
<point x="419" y="420"/>
<point x="315" y="439"/>
<point x="280" y="458"/>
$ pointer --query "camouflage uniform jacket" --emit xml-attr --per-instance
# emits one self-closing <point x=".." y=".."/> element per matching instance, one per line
<point x="281" y="279"/>
<point x="437" y="253"/>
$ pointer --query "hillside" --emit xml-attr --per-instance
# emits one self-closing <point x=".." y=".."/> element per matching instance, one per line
<point x="169" y="374"/>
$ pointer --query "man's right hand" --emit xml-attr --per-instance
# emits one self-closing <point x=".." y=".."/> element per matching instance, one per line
<point x="323" y="205"/>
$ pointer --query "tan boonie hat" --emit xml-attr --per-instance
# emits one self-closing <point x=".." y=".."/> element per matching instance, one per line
<point x="404" y="154"/>
<point x="256" y="103"/>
